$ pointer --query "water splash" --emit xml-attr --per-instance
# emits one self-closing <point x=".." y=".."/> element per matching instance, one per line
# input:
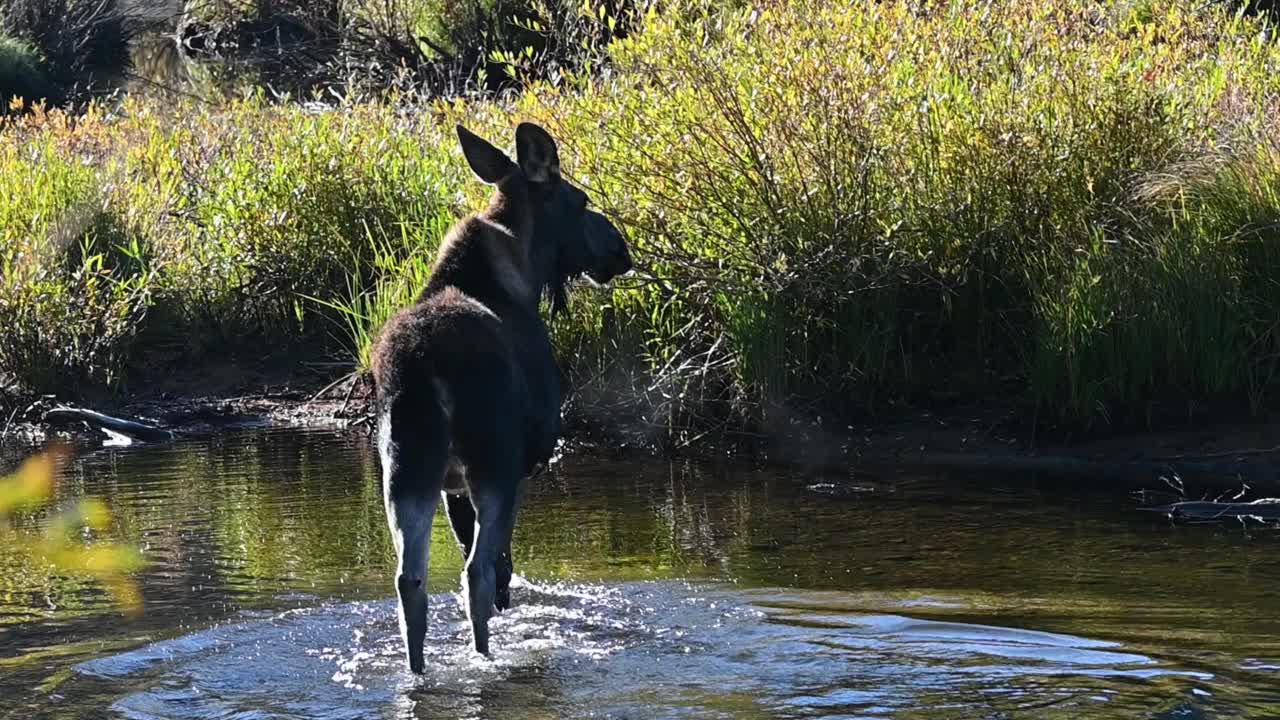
<point x="635" y="650"/>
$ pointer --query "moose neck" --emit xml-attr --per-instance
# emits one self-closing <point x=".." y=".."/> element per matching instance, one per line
<point x="506" y="256"/>
<point x="512" y="208"/>
<point x="512" y="212"/>
<point x="544" y="265"/>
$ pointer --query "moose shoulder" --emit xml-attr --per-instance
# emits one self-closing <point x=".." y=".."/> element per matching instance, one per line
<point x="467" y="383"/>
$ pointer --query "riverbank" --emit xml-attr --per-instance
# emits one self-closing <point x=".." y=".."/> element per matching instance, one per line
<point x="1071" y="208"/>
<point x="1202" y="458"/>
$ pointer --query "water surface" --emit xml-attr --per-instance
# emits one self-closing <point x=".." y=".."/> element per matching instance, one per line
<point x="646" y="590"/>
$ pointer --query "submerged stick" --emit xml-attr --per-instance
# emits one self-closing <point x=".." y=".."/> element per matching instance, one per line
<point x="1265" y="509"/>
<point x="129" y="428"/>
<point x="1248" y="452"/>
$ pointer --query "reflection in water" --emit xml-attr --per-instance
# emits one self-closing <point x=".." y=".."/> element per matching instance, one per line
<point x="267" y="595"/>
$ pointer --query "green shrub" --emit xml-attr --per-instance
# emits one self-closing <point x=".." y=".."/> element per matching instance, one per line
<point x="73" y="286"/>
<point x="231" y="219"/>
<point x="835" y="208"/>
<point x="20" y="73"/>
<point x="267" y="205"/>
<point x="903" y="201"/>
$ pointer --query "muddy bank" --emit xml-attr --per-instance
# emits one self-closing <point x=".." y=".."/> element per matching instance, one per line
<point x="218" y="398"/>
<point x="1207" y="457"/>
<point x="1204" y="458"/>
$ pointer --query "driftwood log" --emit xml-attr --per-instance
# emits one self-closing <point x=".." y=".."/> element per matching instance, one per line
<point x="128" y="428"/>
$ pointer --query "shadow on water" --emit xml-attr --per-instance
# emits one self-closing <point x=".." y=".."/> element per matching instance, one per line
<point x="652" y="591"/>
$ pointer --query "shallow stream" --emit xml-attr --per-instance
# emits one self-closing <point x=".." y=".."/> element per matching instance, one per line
<point x="645" y="590"/>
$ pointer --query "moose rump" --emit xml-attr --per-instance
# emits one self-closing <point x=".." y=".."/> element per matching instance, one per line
<point x="452" y="390"/>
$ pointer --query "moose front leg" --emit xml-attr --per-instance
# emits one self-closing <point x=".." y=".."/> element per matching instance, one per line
<point x="504" y="570"/>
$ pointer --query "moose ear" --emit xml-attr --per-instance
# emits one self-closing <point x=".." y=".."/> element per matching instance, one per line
<point x="488" y="162"/>
<point x="536" y="153"/>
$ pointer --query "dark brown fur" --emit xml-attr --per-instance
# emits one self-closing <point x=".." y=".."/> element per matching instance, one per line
<point x="467" y="383"/>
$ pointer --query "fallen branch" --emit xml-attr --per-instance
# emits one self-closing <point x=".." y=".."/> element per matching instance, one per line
<point x="1248" y="452"/>
<point x="1263" y="510"/>
<point x="128" y="428"/>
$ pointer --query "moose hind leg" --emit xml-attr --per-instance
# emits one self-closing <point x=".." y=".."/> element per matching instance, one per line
<point x="412" y="474"/>
<point x="409" y="519"/>
<point x="495" y="513"/>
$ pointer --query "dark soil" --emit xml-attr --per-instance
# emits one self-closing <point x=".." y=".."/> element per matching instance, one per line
<point x="989" y="439"/>
<point x="216" y="397"/>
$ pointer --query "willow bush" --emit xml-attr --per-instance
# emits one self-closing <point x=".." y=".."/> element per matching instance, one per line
<point x="883" y="202"/>
<point x="836" y="210"/>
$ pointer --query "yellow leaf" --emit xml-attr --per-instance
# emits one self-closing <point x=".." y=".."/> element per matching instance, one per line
<point x="98" y="560"/>
<point x="95" y="513"/>
<point x="32" y="483"/>
<point x="125" y="592"/>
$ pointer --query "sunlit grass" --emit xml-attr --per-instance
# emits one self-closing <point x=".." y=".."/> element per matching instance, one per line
<point x="368" y="303"/>
<point x="891" y="202"/>
<point x="1071" y="206"/>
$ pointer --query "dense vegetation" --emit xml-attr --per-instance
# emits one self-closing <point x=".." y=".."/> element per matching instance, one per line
<point x="70" y="51"/>
<point x="838" y="209"/>
<point x="60" y="51"/>
<point x="20" y="73"/>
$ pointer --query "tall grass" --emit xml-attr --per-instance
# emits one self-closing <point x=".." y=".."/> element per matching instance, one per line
<point x="70" y="293"/>
<point x="919" y="202"/>
<point x="250" y="240"/>
<point x="370" y="301"/>
<point x="837" y="210"/>
<point x="217" y="224"/>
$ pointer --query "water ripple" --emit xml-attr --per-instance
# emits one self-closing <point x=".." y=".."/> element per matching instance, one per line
<point x="633" y="650"/>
